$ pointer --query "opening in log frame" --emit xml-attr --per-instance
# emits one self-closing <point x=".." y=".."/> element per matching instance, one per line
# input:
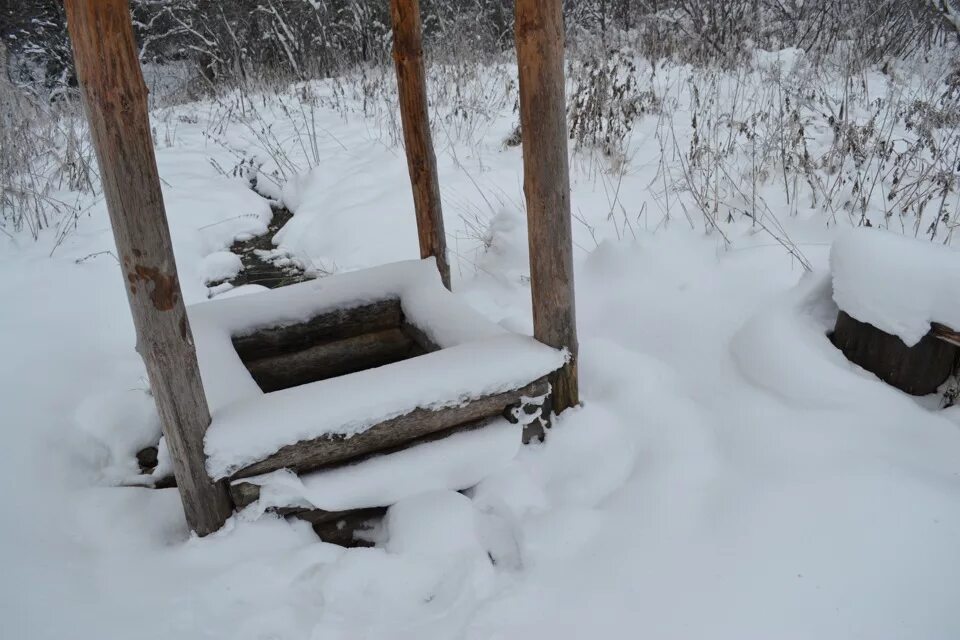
<point x="330" y="345"/>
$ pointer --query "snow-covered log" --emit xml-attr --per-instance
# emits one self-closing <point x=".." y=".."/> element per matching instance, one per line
<point x="308" y="455"/>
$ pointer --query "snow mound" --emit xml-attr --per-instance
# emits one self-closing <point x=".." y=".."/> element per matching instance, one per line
<point x="898" y="284"/>
<point x="433" y="523"/>
<point x="476" y="358"/>
<point x="220" y="265"/>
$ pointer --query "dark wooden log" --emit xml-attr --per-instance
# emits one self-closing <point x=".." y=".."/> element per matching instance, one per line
<point x="414" y="114"/>
<point x="332" y="359"/>
<point x="917" y="370"/>
<point x="115" y="100"/>
<point x="310" y="455"/>
<point x="335" y="527"/>
<point x="546" y="185"/>
<point x="335" y="325"/>
<point x="347" y="528"/>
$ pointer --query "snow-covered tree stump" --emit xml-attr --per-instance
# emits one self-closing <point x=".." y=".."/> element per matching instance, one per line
<point x="897" y="300"/>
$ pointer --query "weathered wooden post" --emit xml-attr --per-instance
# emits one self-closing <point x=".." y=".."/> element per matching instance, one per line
<point x="421" y="160"/>
<point x="115" y="99"/>
<point x="546" y="184"/>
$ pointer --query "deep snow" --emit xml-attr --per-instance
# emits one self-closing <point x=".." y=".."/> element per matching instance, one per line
<point x="729" y="475"/>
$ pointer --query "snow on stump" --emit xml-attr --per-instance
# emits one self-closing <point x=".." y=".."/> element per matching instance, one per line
<point x="898" y="307"/>
<point x="341" y="371"/>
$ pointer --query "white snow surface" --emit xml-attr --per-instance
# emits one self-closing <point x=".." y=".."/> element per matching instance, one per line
<point x="730" y="476"/>
<point x="476" y="358"/>
<point x="454" y="463"/>
<point x="221" y="265"/>
<point x="896" y="283"/>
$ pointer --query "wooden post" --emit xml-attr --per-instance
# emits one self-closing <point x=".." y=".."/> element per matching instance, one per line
<point x="421" y="160"/>
<point x="115" y="99"/>
<point x="546" y="185"/>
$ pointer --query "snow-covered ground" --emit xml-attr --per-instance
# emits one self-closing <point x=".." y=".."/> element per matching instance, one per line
<point x="729" y="475"/>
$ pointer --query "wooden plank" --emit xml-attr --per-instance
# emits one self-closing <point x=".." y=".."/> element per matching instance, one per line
<point x="334" y="325"/>
<point x="414" y="114"/>
<point x="546" y="185"/>
<point x="310" y="455"/>
<point x="917" y="370"/>
<point x="331" y="359"/>
<point x="115" y="100"/>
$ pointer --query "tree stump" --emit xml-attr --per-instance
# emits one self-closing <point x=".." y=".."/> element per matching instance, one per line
<point x="917" y="370"/>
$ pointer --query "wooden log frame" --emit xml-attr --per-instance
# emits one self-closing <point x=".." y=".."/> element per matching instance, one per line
<point x="115" y="100"/>
<point x="417" y="141"/>
<point x="337" y="342"/>
<point x="546" y="185"/>
<point x="917" y="370"/>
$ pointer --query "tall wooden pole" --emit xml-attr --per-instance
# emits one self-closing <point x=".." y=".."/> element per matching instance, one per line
<point x="546" y="184"/>
<point x="421" y="160"/>
<point x="115" y="99"/>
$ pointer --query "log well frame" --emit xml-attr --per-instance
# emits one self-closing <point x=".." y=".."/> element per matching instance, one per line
<point x="115" y="99"/>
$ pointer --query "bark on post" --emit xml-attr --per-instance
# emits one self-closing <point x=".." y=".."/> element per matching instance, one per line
<point x="421" y="160"/>
<point x="546" y="184"/>
<point x="115" y="99"/>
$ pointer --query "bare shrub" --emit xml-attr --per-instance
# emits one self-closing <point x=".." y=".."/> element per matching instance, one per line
<point x="606" y="100"/>
<point x="47" y="166"/>
<point x="890" y="160"/>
